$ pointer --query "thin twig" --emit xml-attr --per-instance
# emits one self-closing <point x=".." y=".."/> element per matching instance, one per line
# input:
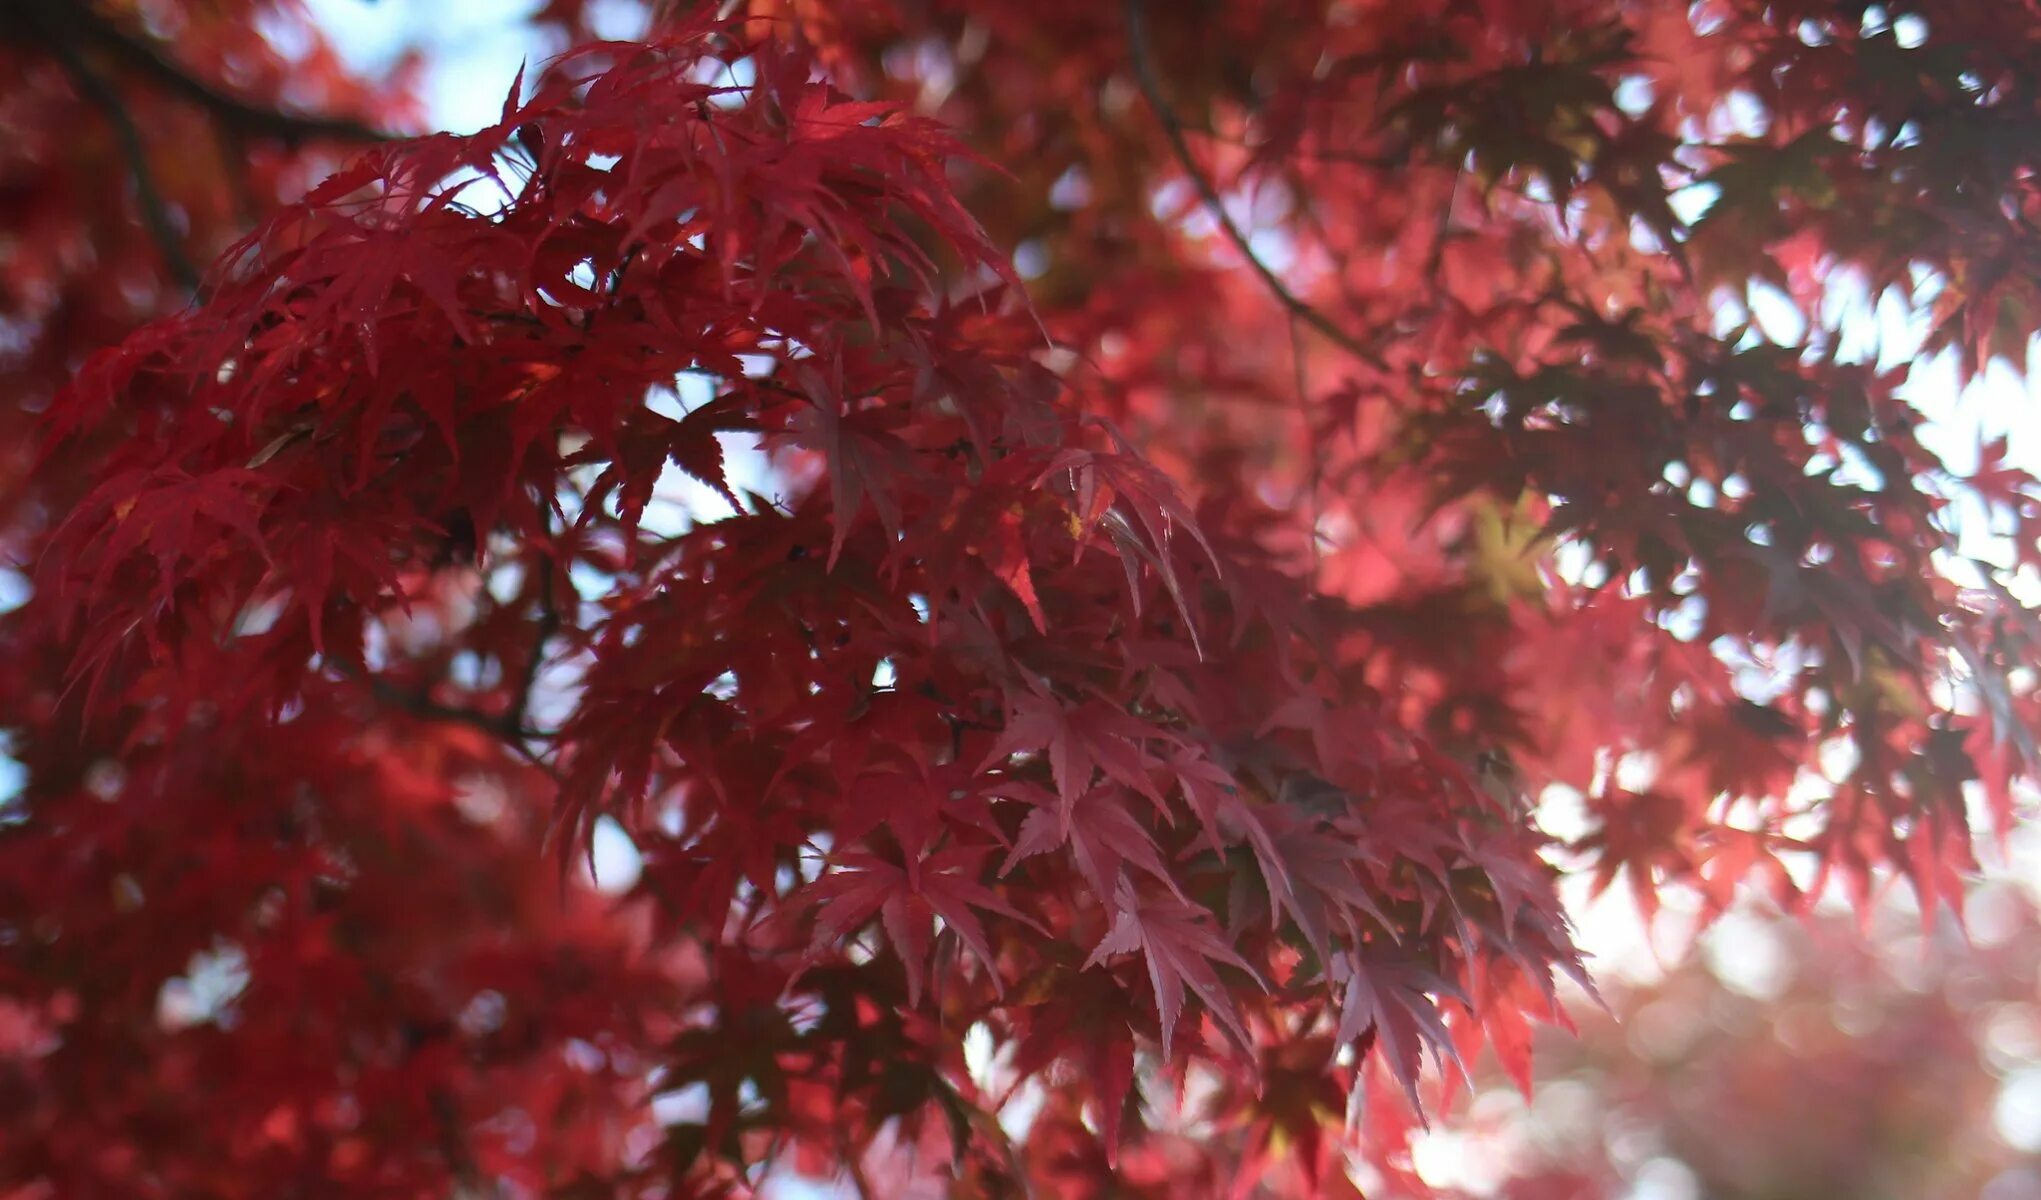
<point x="1173" y="129"/>
<point x="1436" y="260"/>
<point x="856" y="1171"/>
<point x="155" y="211"/>
<point x="1314" y="478"/>
<point x="453" y="1147"/>
<point x="543" y="630"/>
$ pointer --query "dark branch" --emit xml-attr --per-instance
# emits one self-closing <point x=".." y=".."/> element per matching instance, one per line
<point x="512" y="732"/>
<point x="245" y="117"/>
<point x="543" y="630"/>
<point x="425" y="708"/>
<point x="68" y="28"/>
<point x="453" y="1147"/>
<point x="148" y="197"/>
<point x="1173" y="129"/>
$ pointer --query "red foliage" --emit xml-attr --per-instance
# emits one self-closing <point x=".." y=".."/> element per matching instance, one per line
<point x="1137" y="682"/>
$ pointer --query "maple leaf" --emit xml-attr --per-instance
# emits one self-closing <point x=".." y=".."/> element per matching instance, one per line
<point x="1080" y="743"/>
<point x="1310" y="873"/>
<point x="906" y="900"/>
<point x="1007" y="555"/>
<point x="1394" y="998"/>
<point x="1102" y="835"/>
<point x="1182" y="949"/>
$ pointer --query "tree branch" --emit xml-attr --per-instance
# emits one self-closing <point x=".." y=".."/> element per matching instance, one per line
<point x="425" y="708"/>
<point x="1173" y="128"/>
<point x="513" y="733"/>
<point x="244" y="116"/>
<point x="155" y="211"/>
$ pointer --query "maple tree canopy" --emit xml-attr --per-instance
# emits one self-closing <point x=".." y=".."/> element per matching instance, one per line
<point x="1228" y="460"/>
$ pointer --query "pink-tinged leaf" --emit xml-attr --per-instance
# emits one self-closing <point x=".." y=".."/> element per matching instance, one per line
<point x="1102" y="835"/>
<point x="944" y="884"/>
<point x="1182" y="949"/>
<point x="1506" y="1021"/>
<point x="1112" y="1073"/>
<point x="1310" y="873"/>
<point x="1394" y="998"/>
<point x="1207" y="788"/>
<point x="1080" y="743"/>
<point x="949" y="881"/>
